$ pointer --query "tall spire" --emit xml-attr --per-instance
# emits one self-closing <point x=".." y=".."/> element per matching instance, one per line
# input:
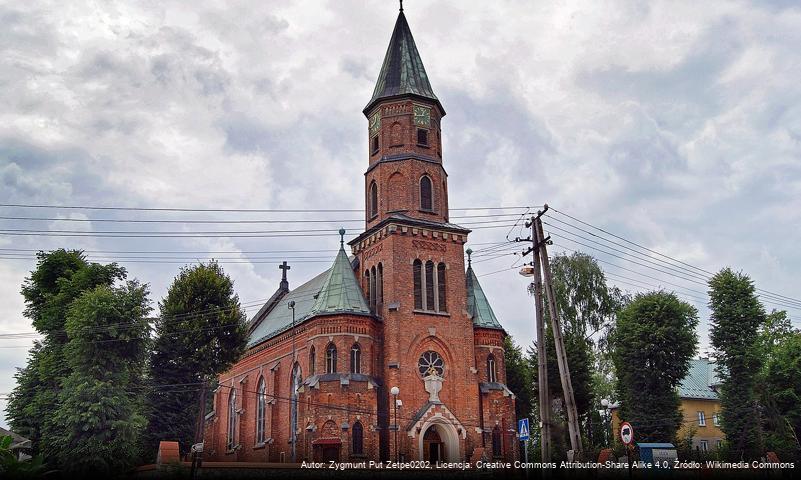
<point x="402" y="72"/>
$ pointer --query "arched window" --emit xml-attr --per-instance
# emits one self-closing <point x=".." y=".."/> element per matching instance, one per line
<point x="261" y="409"/>
<point x="417" y="268"/>
<point x="373" y="200"/>
<point x="312" y="360"/>
<point x="426" y="194"/>
<point x="293" y="392"/>
<point x="379" y="287"/>
<point x="429" y="301"/>
<point x="369" y="290"/>
<point x="356" y="359"/>
<point x="231" y="443"/>
<point x="372" y="289"/>
<point x="492" y="375"/>
<point x="442" y="305"/>
<point x="357" y="436"/>
<point x="496" y="442"/>
<point x="331" y="359"/>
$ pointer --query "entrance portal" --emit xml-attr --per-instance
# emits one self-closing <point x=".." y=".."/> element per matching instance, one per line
<point x="433" y="447"/>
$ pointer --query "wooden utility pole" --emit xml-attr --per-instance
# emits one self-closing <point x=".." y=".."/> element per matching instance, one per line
<point x="561" y="355"/>
<point x="542" y="357"/>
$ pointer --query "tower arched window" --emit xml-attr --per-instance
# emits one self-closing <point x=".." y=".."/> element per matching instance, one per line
<point x="331" y="358"/>
<point x="426" y="194"/>
<point x="356" y="359"/>
<point x="492" y="372"/>
<point x="372" y="289"/>
<point x="293" y="392"/>
<point x="430" y="287"/>
<point x="417" y="268"/>
<point x="373" y="199"/>
<point x="357" y="437"/>
<point x="261" y="409"/>
<point x="312" y="360"/>
<point x="369" y="280"/>
<point x="442" y="304"/>
<point x="379" y="287"/>
<point x="231" y="440"/>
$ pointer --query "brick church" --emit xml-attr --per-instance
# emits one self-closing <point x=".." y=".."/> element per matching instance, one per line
<point x="394" y="352"/>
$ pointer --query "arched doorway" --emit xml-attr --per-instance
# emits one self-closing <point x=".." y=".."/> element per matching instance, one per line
<point x="433" y="447"/>
<point x="439" y="442"/>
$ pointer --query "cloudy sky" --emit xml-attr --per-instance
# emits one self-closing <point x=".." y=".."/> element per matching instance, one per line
<point x="676" y="125"/>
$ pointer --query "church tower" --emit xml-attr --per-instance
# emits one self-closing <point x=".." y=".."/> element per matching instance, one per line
<point x="411" y="263"/>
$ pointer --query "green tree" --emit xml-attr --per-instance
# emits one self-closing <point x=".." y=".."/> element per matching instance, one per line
<point x="653" y="343"/>
<point x="60" y="277"/>
<point x="200" y="333"/>
<point x="735" y="321"/>
<point x="782" y="398"/>
<point x="518" y="377"/>
<point x="99" y="419"/>
<point x="587" y="308"/>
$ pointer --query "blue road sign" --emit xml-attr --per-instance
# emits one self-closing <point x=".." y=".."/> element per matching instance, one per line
<point x="522" y="429"/>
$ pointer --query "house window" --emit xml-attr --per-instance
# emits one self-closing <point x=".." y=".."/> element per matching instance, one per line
<point x="312" y="360"/>
<point x="422" y="137"/>
<point x="426" y="194"/>
<point x="704" y="445"/>
<point x="357" y="436"/>
<point x="231" y="443"/>
<point x="261" y="408"/>
<point x="373" y="199"/>
<point x="417" y="268"/>
<point x="701" y="419"/>
<point x="374" y="145"/>
<point x="492" y="375"/>
<point x="331" y="359"/>
<point x="355" y="359"/>
<point x="442" y="305"/>
<point x="716" y="419"/>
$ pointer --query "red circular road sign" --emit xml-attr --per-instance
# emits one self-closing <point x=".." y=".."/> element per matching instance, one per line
<point x="626" y="433"/>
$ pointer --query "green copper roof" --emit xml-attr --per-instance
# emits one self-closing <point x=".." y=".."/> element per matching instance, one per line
<point x="478" y="306"/>
<point x="403" y="71"/>
<point x="699" y="381"/>
<point x="340" y="292"/>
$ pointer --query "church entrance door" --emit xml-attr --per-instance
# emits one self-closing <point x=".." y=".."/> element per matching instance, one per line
<point x="330" y="454"/>
<point x="433" y="447"/>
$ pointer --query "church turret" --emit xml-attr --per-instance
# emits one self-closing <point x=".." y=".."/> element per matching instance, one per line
<point x="405" y="173"/>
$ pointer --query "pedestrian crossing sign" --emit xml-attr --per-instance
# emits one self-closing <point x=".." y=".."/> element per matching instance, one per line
<point x="522" y="429"/>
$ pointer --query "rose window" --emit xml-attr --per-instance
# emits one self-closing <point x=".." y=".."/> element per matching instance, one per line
<point x="430" y="363"/>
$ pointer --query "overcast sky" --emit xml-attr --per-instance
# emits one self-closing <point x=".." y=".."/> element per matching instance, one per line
<point x="674" y="124"/>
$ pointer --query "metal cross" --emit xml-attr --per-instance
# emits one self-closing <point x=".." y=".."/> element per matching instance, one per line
<point x="284" y="267"/>
<point x="401" y="5"/>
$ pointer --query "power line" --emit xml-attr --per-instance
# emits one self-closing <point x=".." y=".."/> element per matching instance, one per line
<point x="248" y="210"/>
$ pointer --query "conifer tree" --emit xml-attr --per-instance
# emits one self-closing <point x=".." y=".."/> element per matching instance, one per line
<point x="200" y="333"/>
<point x="99" y="419"/>
<point x="652" y="346"/>
<point x="736" y="318"/>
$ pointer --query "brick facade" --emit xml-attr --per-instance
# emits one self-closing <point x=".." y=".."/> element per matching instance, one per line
<point x="471" y="410"/>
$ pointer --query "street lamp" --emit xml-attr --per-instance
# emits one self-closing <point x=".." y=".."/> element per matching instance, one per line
<point x="395" y="391"/>
<point x="293" y="394"/>
<point x="607" y="427"/>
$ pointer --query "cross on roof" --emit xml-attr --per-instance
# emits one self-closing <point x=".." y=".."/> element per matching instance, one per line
<point x="284" y="267"/>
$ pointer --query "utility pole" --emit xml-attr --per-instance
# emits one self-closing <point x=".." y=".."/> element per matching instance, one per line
<point x="197" y="448"/>
<point x="561" y="355"/>
<point x="542" y="357"/>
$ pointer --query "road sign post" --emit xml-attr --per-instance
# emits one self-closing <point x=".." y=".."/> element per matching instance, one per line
<point x="627" y="437"/>
<point x="523" y="434"/>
